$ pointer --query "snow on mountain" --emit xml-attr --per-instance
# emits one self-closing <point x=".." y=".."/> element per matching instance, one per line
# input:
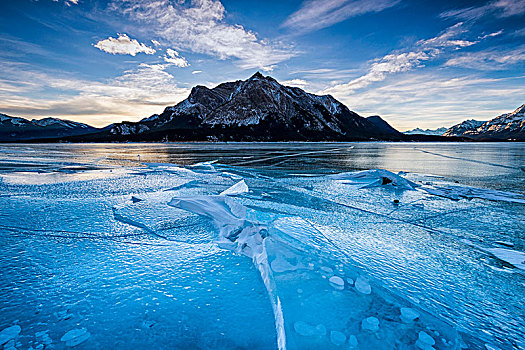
<point x="461" y="128"/>
<point x="6" y="120"/>
<point x="58" y="123"/>
<point x="418" y="131"/>
<point x="508" y="126"/>
<point x="20" y="129"/>
<point x="258" y="108"/>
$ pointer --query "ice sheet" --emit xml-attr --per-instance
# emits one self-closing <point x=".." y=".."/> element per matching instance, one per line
<point x="369" y="259"/>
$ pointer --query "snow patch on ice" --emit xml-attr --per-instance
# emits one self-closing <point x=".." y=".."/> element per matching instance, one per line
<point x="513" y="257"/>
<point x="239" y="188"/>
<point x="465" y="192"/>
<point x="375" y="178"/>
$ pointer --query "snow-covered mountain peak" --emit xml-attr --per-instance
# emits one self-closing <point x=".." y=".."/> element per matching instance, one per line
<point x="263" y="106"/>
<point x="508" y="126"/>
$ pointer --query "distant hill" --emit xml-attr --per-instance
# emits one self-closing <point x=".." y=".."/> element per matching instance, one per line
<point x="384" y="126"/>
<point x="13" y="129"/>
<point x="418" y="131"/>
<point x="508" y="126"/>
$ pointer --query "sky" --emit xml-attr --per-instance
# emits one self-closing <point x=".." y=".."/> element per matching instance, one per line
<point x="416" y="63"/>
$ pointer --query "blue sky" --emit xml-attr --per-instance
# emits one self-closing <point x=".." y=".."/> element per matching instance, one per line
<point x="417" y="63"/>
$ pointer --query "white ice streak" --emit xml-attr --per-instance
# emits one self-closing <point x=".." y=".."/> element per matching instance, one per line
<point x="513" y="257"/>
<point x="238" y="233"/>
<point x="465" y="192"/>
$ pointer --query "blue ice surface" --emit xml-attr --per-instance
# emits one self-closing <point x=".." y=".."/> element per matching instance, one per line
<point x="217" y="256"/>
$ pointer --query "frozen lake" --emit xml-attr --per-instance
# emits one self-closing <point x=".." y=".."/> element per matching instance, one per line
<point x="263" y="246"/>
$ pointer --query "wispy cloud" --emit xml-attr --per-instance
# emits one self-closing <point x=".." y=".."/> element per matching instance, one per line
<point x="300" y="83"/>
<point x="430" y="100"/>
<point x="423" y="50"/>
<point x="519" y="32"/>
<point x="174" y="58"/>
<point x="201" y="28"/>
<point x="491" y="35"/>
<point x="498" y="8"/>
<point x="136" y="93"/>
<point x="123" y="45"/>
<point x="318" y="14"/>
<point x="69" y="2"/>
<point x="492" y="59"/>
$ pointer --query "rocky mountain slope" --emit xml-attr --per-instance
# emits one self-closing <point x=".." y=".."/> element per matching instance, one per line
<point x="256" y="109"/>
<point x="20" y="129"/>
<point x="383" y="125"/>
<point x="508" y="126"/>
<point x="461" y="128"/>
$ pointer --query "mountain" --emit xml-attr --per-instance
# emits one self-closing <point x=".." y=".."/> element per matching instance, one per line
<point x="256" y="109"/>
<point x="461" y="128"/>
<point x="418" y="131"/>
<point x="508" y="126"/>
<point x="14" y="129"/>
<point x="383" y="125"/>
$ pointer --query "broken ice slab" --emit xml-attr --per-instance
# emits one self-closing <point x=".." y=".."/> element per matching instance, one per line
<point x="239" y="188"/>
<point x="373" y="319"/>
<point x="375" y="178"/>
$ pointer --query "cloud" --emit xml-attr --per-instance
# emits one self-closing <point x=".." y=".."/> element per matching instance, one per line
<point x="498" y="8"/>
<point x="123" y="45"/>
<point x="155" y="42"/>
<point x="430" y="100"/>
<point x="69" y="2"/>
<point x="318" y="14"/>
<point x="423" y="50"/>
<point x="491" y="35"/>
<point x="300" y="83"/>
<point x="488" y="60"/>
<point x="201" y="28"/>
<point x="135" y="94"/>
<point x="196" y="72"/>
<point x="519" y="32"/>
<point x="175" y="59"/>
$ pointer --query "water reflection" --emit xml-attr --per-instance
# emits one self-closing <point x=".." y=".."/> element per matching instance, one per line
<point x="492" y="165"/>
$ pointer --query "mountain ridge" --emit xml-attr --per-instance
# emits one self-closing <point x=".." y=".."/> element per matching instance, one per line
<point x="255" y="109"/>
<point x="505" y="127"/>
<point x="14" y="129"/>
